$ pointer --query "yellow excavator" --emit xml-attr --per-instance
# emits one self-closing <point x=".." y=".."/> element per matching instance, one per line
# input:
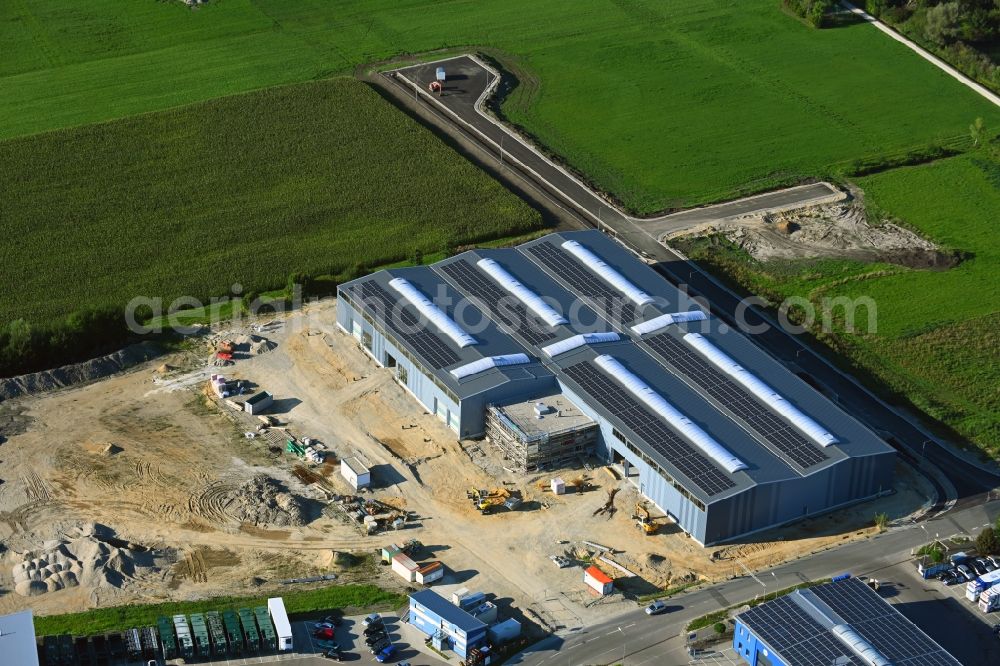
<point x="644" y="520"/>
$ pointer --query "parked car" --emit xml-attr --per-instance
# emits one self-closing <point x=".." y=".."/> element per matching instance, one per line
<point x="375" y="638"/>
<point x="334" y="620"/>
<point x="657" y="607"/>
<point x="385" y="654"/>
<point x="374" y="617"/>
<point x="333" y="654"/>
<point x="374" y="628"/>
<point x="978" y="565"/>
<point x="328" y="646"/>
<point x="324" y="633"/>
<point x="380" y="645"/>
<point x="949" y="578"/>
<point x="989" y="565"/>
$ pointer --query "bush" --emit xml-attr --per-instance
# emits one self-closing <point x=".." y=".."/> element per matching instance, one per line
<point x="720" y="627"/>
<point x="987" y="542"/>
<point x="813" y="11"/>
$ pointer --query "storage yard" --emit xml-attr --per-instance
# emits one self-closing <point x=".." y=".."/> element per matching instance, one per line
<point x="155" y="465"/>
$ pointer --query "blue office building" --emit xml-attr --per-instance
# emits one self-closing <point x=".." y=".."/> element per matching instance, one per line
<point x="845" y="623"/>
<point x="449" y="627"/>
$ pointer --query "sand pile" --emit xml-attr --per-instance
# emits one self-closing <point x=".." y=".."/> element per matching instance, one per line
<point x="83" y="559"/>
<point x="265" y="501"/>
<point x="259" y="345"/>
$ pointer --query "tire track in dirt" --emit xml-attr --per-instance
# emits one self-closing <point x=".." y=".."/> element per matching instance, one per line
<point x="212" y="501"/>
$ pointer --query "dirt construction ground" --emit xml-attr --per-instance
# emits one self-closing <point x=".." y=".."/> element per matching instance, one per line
<point x="140" y="487"/>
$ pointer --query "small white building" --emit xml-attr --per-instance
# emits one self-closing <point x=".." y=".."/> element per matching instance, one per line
<point x="405" y="567"/>
<point x="356" y="474"/>
<point x="258" y="402"/>
<point x="558" y="486"/>
<point x="282" y="627"/>
<point x="17" y="639"/>
<point x="429" y="573"/>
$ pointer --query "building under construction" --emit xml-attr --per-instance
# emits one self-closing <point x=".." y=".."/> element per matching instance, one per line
<point x="715" y="432"/>
<point x="539" y="434"/>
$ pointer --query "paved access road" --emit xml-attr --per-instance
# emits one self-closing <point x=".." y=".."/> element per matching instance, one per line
<point x="457" y="112"/>
<point x="660" y="640"/>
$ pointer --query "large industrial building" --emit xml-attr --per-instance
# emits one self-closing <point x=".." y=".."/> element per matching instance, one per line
<point x="843" y="623"/>
<point x="569" y="346"/>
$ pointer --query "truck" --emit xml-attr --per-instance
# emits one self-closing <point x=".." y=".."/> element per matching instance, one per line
<point x="976" y="587"/>
<point x="989" y="601"/>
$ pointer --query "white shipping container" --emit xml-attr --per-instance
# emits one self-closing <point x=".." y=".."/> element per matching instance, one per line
<point x="405" y="567"/>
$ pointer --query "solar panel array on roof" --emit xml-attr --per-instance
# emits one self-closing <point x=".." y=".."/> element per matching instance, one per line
<point x="603" y="298"/>
<point x="404" y="324"/>
<point x="795" y="636"/>
<point x="881" y="625"/>
<point x="489" y="295"/>
<point x="738" y="400"/>
<point x="651" y="428"/>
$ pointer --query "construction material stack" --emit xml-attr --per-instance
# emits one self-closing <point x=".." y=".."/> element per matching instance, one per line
<point x="268" y="641"/>
<point x="168" y="640"/>
<point x="185" y="645"/>
<point x="133" y="644"/>
<point x="199" y="632"/>
<point x="250" y="630"/>
<point x="234" y="634"/>
<point x="217" y="632"/>
<point x="150" y="642"/>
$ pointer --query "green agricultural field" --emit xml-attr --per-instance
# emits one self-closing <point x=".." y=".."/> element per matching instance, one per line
<point x="937" y="332"/>
<point x="663" y="103"/>
<point x="313" y="178"/>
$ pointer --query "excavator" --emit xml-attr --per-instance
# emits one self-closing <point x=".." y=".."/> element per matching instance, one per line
<point x="644" y="519"/>
<point x="488" y="501"/>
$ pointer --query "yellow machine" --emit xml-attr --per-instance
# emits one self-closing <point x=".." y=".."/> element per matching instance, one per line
<point x="644" y="520"/>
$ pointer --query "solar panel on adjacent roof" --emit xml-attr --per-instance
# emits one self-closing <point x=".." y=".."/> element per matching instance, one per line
<point x="881" y="625"/>
<point x="497" y="302"/>
<point x="602" y="297"/>
<point x="404" y="324"/>
<point x="649" y="427"/>
<point x="738" y="400"/>
<point x="795" y="636"/>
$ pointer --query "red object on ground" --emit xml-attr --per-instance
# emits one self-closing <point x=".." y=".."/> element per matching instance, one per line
<point x="225" y="356"/>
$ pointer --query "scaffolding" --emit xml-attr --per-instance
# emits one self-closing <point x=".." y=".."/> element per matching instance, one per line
<point x="528" y="444"/>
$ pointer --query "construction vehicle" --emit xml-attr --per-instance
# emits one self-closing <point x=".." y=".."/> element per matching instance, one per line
<point x="488" y="501"/>
<point x="644" y="519"/>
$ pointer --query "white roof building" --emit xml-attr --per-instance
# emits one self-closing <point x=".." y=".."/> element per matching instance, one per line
<point x="17" y="639"/>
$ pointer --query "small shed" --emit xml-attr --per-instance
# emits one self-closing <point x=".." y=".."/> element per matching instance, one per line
<point x="258" y="402"/>
<point x="504" y="631"/>
<point x="405" y="567"/>
<point x="598" y="581"/>
<point x="389" y="551"/>
<point x="356" y="474"/>
<point x="429" y="573"/>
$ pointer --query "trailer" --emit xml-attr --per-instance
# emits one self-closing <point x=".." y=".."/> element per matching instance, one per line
<point x="185" y="644"/>
<point x="268" y="641"/>
<point x="989" y="601"/>
<point x="199" y="632"/>
<point x="282" y="627"/>
<point x="250" y="632"/>
<point x="217" y="632"/>
<point x="234" y="635"/>
<point x="168" y="639"/>
<point x="976" y="587"/>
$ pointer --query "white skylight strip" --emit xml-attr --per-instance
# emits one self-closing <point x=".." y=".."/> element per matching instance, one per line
<point x="488" y="363"/>
<point x="671" y="414"/>
<point x="433" y="313"/>
<point x="663" y="321"/>
<point x="610" y="275"/>
<point x="572" y="343"/>
<point x="752" y="383"/>
<point x="525" y="295"/>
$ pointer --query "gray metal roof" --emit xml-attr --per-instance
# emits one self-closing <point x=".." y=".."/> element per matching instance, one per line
<point x="762" y="452"/>
<point x="844" y="622"/>
<point x="447" y="611"/>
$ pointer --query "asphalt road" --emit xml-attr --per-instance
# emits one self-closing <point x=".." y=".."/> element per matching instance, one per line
<point x="456" y="112"/>
<point x="660" y="640"/>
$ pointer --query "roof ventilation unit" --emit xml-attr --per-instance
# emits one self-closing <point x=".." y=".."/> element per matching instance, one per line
<point x="436" y="315"/>
<point x="663" y="321"/>
<point x="768" y="395"/>
<point x="610" y="275"/>
<point x="488" y="363"/>
<point x="569" y="344"/>
<point x="675" y="418"/>
<point x="525" y="295"/>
